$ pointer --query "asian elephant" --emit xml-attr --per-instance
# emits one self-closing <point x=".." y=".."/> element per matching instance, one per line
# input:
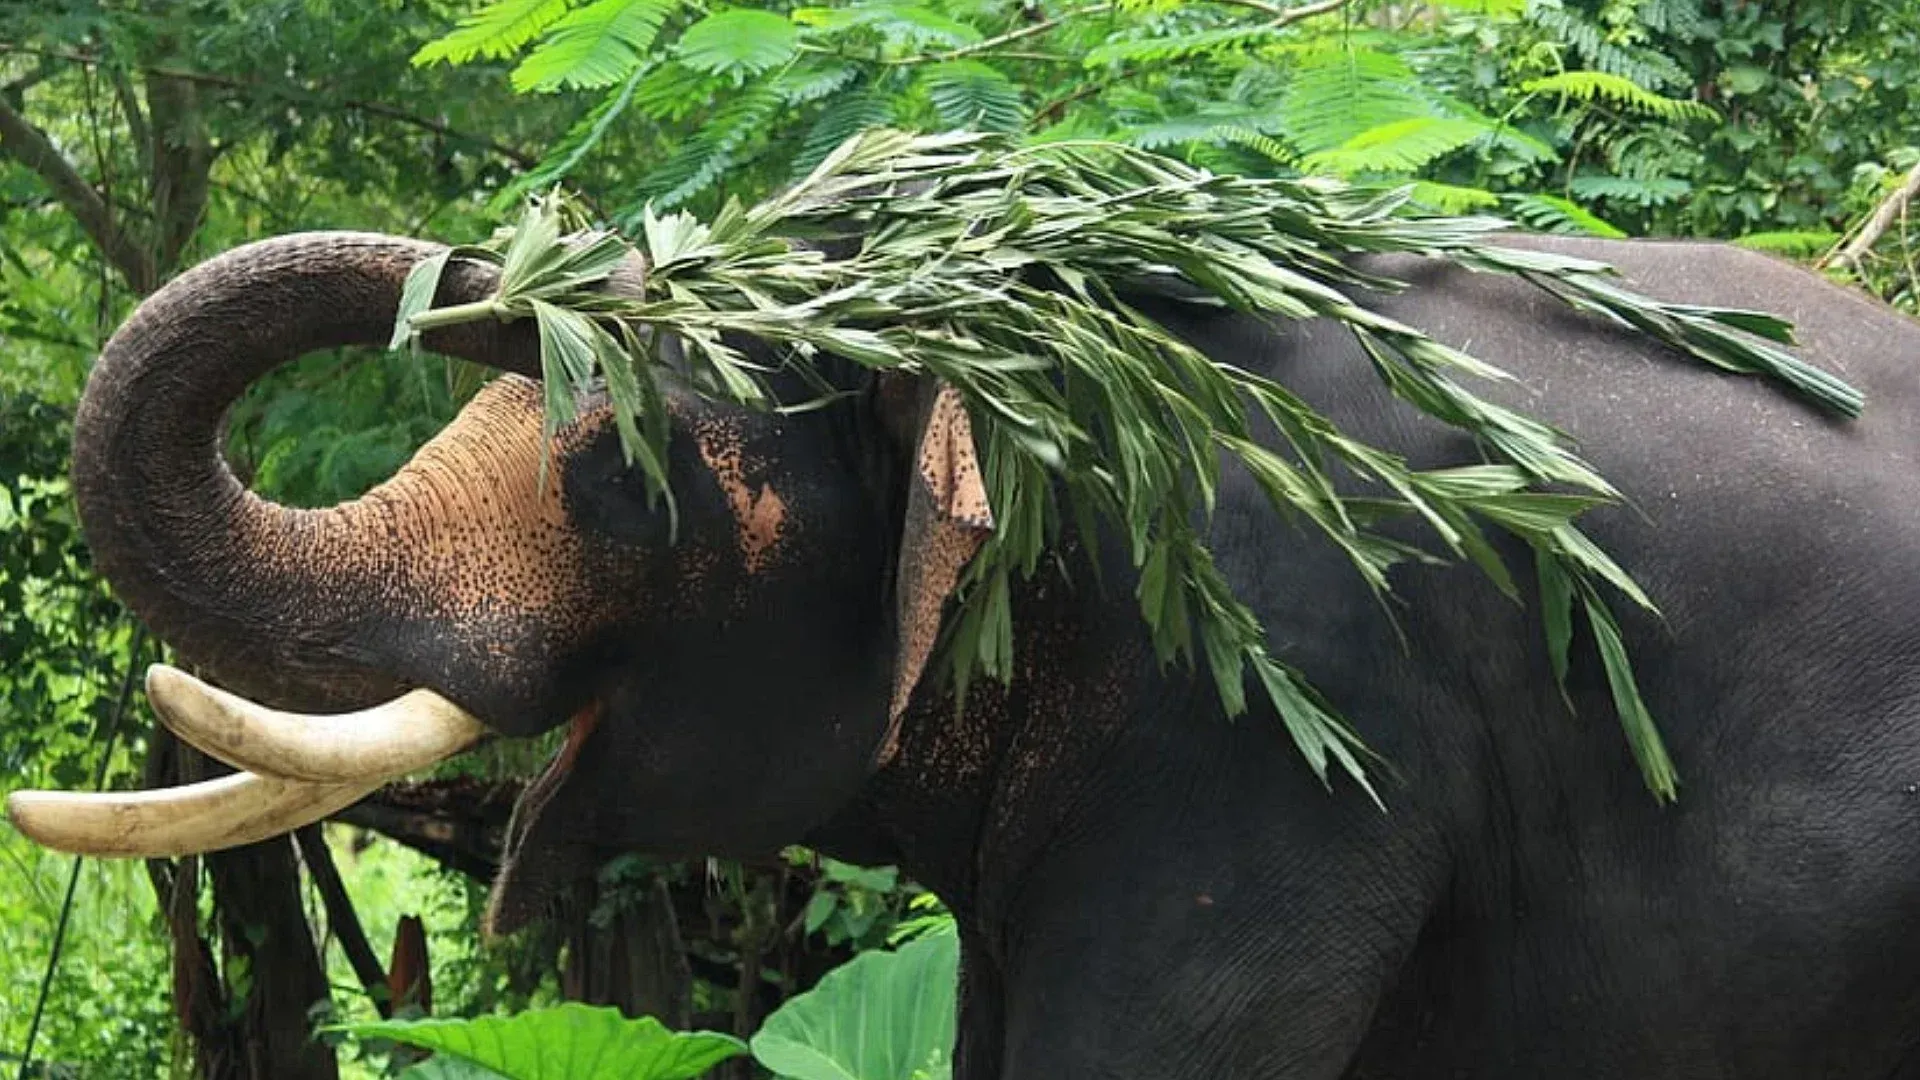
<point x="1144" y="888"/>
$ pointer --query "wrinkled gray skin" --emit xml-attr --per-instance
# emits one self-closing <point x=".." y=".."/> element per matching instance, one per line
<point x="1144" y="889"/>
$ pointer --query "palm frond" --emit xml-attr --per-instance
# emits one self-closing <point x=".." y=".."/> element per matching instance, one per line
<point x="1087" y="410"/>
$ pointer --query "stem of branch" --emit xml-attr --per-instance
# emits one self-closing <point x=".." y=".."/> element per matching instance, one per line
<point x="1011" y="36"/>
<point x="28" y="145"/>
<point x="1289" y="16"/>
<point x="1890" y="209"/>
<point x="341" y="917"/>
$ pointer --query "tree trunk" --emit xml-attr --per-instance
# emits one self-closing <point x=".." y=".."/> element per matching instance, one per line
<point x="252" y="1017"/>
<point x="631" y="958"/>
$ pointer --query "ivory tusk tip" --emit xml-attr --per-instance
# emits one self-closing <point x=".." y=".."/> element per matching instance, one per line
<point x="165" y="684"/>
<point x="36" y="814"/>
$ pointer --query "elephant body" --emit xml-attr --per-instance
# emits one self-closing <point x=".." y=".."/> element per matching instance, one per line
<point x="1144" y="887"/>
<point x="1152" y="890"/>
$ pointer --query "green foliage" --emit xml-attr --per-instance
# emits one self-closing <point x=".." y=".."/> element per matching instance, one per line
<point x="1796" y="244"/>
<point x="494" y="31"/>
<point x="1619" y="91"/>
<point x="738" y="42"/>
<point x="564" y="1042"/>
<point x="882" y="1016"/>
<point x="969" y="94"/>
<point x="596" y="45"/>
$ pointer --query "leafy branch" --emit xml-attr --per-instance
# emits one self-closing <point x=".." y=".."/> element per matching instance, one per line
<point x="1076" y="392"/>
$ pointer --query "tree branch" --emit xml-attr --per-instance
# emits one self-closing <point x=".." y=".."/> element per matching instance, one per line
<point x="181" y="160"/>
<point x="341" y="918"/>
<point x="28" y="145"/>
<point x="372" y="108"/>
<point x="1289" y="16"/>
<point x="1877" y="224"/>
<point x="1011" y="36"/>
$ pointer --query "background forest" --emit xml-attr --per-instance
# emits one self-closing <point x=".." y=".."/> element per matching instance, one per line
<point x="138" y="137"/>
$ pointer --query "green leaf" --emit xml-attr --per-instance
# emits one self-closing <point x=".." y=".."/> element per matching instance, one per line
<point x="1618" y="91"/>
<point x="881" y="1016"/>
<point x="495" y="31"/>
<point x="969" y="94"/>
<point x="416" y="296"/>
<point x="448" y="1067"/>
<point x="564" y="1042"/>
<point x="1792" y="244"/>
<point x="1399" y="146"/>
<point x="594" y="46"/>
<point x="1643" y="737"/>
<point x="579" y="141"/>
<point x="1336" y="94"/>
<point x="1553" y="214"/>
<point x="1556" y="612"/>
<point x="738" y="41"/>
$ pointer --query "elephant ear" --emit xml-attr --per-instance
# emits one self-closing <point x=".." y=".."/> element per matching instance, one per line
<point x="948" y="518"/>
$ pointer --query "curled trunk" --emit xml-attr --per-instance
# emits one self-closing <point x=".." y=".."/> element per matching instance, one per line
<point x="293" y="606"/>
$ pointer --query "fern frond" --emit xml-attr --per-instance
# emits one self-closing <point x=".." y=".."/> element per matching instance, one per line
<point x="1649" y="191"/>
<point x="969" y="94"/>
<point x="1807" y="244"/>
<point x="1680" y="19"/>
<point x="844" y="117"/>
<point x="495" y="31"/>
<point x="1553" y="214"/>
<point x="594" y="46"/>
<point x="575" y="145"/>
<point x="805" y="83"/>
<point x="1497" y="9"/>
<point x="738" y="42"/>
<point x="910" y="25"/>
<point x="1338" y="94"/>
<point x="1452" y="198"/>
<point x="1589" y="87"/>
<point x="672" y="92"/>
<point x="1402" y="146"/>
<point x="1200" y="127"/>
<point x="920" y="27"/>
<point x="1643" y="66"/>
<point x="1259" y="142"/>
<point x="720" y="144"/>
<point x="1160" y="50"/>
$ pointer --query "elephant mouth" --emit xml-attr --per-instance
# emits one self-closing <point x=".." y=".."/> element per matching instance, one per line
<point x="295" y="770"/>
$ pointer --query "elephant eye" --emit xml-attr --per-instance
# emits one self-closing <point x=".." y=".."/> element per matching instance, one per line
<point x="608" y="499"/>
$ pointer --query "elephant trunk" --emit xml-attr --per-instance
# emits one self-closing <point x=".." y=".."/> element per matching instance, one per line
<point x="290" y="606"/>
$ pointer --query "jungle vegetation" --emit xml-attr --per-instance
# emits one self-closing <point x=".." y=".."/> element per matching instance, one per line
<point x="141" y="136"/>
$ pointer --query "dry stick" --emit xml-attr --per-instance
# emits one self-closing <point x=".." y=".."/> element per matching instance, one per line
<point x="1876" y="225"/>
<point x="341" y="917"/>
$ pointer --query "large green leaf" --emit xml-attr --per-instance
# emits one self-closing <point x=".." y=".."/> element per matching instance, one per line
<point x="882" y="1016"/>
<point x="566" y="1042"/>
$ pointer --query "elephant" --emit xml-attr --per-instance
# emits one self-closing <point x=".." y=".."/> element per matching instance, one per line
<point x="1143" y="886"/>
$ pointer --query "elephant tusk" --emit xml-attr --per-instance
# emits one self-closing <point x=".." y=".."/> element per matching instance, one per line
<point x="177" y="821"/>
<point x="390" y="740"/>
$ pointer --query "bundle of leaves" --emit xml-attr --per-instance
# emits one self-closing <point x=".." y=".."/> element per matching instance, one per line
<point x="1004" y="270"/>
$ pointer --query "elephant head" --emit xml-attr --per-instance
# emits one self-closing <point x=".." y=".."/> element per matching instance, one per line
<point x="732" y="674"/>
